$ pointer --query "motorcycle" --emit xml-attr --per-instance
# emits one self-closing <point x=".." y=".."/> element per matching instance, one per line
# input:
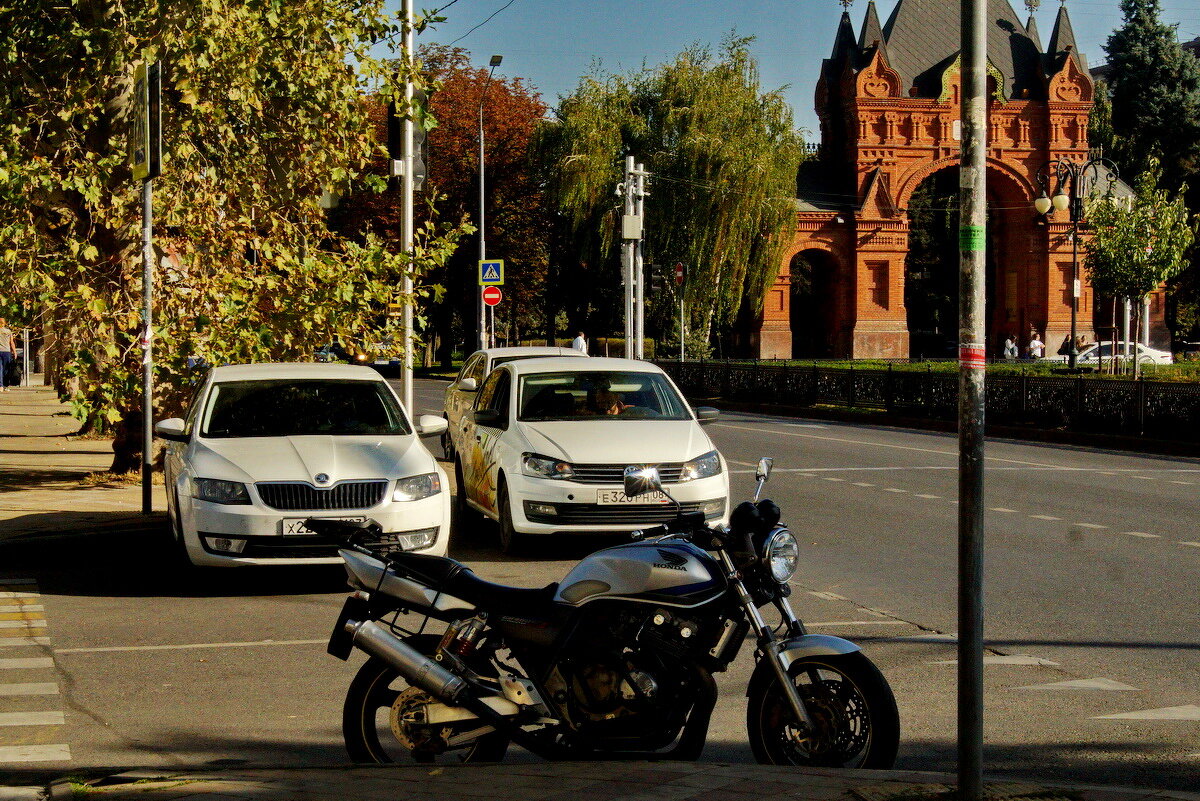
<point x="616" y="661"/>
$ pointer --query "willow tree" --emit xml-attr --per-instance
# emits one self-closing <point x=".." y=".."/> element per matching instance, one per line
<point x="261" y="114"/>
<point x="723" y="155"/>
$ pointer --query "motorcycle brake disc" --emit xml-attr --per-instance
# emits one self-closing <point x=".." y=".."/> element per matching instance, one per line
<point x="407" y="719"/>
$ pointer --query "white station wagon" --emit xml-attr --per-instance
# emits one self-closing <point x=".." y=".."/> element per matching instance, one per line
<point x="267" y="446"/>
<point x="548" y="440"/>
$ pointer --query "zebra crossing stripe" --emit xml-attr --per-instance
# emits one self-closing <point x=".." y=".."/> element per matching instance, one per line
<point x="1186" y="712"/>
<point x="30" y="688"/>
<point x="32" y="719"/>
<point x="35" y="753"/>
<point x="22" y="608"/>
<point x="21" y="640"/>
<point x="22" y="624"/>
<point x="25" y="664"/>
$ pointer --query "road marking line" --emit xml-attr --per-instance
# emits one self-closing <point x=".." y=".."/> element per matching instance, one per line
<point x="23" y="664"/>
<point x="1145" y="478"/>
<point x="1187" y="712"/>
<point x="1014" y="659"/>
<point x="1082" y="684"/>
<point x="23" y="608"/>
<point x="12" y="594"/>
<point x="863" y="484"/>
<point x="1144" y="535"/>
<point x="35" y="753"/>
<point x="22" y="616"/>
<point x="187" y="646"/>
<point x="1108" y="473"/>
<point x="18" y="640"/>
<point x="832" y="478"/>
<point x="895" y="489"/>
<point x="32" y="719"/>
<point x="1193" y="544"/>
<point x="1001" y="509"/>
<point x="22" y="624"/>
<point x="827" y="596"/>
<point x="1045" y="517"/>
<point x="1185" y="483"/>
<point x="922" y="495"/>
<point x="29" y="688"/>
<point x="1089" y="525"/>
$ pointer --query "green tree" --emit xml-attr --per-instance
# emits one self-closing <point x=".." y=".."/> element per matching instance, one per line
<point x="723" y="156"/>
<point x="261" y="113"/>
<point x="1138" y="246"/>
<point x="1155" y="94"/>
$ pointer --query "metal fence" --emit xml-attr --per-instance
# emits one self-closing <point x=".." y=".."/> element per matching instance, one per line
<point x="1142" y="408"/>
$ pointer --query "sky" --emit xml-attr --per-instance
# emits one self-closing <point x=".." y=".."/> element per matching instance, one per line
<point x="552" y="43"/>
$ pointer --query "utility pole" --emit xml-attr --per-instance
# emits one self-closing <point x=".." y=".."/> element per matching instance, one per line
<point x="633" y="189"/>
<point x="972" y="353"/>
<point x="406" y="204"/>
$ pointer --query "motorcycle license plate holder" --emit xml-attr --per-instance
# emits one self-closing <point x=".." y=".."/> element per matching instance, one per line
<point x="341" y="642"/>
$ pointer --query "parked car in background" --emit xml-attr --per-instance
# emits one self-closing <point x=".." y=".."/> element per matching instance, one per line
<point x="546" y="445"/>
<point x="1103" y="351"/>
<point x="266" y="446"/>
<point x="460" y="395"/>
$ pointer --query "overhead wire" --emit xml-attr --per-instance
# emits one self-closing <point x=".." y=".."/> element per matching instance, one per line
<point x="485" y="22"/>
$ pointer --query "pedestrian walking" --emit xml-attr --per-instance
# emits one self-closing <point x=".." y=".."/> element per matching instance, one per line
<point x="1010" y="347"/>
<point x="1036" y="347"/>
<point x="580" y="343"/>
<point x="8" y="353"/>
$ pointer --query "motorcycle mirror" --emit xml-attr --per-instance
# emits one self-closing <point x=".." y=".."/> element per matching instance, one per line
<point x="764" y="468"/>
<point x="641" y="480"/>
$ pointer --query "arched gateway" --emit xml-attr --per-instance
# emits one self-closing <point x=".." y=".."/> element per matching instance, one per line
<point x="888" y="101"/>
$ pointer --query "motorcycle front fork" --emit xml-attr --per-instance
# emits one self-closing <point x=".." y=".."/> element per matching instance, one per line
<point x="768" y="643"/>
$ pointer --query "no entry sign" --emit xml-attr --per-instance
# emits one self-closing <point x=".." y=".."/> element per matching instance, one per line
<point x="492" y="295"/>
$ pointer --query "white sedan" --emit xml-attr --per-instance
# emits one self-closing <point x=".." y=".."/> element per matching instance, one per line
<point x="546" y="445"/>
<point x="1145" y="354"/>
<point x="266" y="446"/>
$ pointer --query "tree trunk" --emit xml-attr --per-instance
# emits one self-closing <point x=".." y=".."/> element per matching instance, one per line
<point x="127" y="444"/>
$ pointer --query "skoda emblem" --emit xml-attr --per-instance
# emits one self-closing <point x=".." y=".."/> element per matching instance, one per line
<point x="321" y="478"/>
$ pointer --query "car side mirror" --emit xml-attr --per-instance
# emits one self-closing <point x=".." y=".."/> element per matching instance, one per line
<point x="430" y="425"/>
<point x="487" y="417"/>
<point x="706" y="414"/>
<point x="171" y="429"/>
<point x="641" y="480"/>
<point x="468" y="385"/>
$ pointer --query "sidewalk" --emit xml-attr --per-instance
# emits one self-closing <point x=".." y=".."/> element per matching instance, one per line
<point x="40" y="493"/>
<point x="570" y="781"/>
<point x="42" y="464"/>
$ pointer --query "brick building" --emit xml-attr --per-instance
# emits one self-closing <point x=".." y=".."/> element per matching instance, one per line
<point x="888" y="101"/>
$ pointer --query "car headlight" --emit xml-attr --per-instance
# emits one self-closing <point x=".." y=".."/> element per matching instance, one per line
<point x="214" y="490"/>
<point x="782" y="554"/>
<point x="414" y="488"/>
<point x="545" y="467"/>
<point x="701" y="467"/>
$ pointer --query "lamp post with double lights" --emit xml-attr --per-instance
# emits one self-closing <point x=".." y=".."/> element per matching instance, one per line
<point x="1069" y="181"/>
<point x="480" y="308"/>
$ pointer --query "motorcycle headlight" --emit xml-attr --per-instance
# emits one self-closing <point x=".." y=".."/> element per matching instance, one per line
<point x="214" y="490"/>
<point x="782" y="554"/>
<point x="703" y="466"/>
<point x="545" y="467"/>
<point x="414" y="488"/>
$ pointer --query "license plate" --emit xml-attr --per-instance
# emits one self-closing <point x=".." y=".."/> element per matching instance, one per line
<point x="341" y="642"/>
<point x="294" y="526"/>
<point x="617" y="498"/>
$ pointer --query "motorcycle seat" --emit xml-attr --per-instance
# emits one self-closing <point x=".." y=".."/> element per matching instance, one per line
<point x="455" y="578"/>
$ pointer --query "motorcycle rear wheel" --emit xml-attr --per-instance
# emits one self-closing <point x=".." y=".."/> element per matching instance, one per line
<point x="852" y="706"/>
<point x="366" y="724"/>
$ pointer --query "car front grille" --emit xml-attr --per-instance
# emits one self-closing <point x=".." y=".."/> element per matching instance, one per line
<point x="625" y="515"/>
<point x="293" y="496"/>
<point x="669" y="472"/>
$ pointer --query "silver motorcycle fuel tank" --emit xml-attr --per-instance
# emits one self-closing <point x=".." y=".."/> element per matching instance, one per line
<point x="671" y="573"/>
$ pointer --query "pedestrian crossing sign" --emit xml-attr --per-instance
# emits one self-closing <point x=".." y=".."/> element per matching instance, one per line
<point x="491" y="272"/>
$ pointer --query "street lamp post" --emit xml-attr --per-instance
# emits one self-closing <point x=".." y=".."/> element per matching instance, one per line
<point x="480" y="308"/>
<point x="1070" y="183"/>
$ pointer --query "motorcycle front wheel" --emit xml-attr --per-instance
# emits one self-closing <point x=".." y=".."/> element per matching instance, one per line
<point x="856" y="723"/>
<point x="367" y="720"/>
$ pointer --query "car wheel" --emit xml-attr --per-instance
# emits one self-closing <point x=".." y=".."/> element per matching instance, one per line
<point x="510" y="540"/>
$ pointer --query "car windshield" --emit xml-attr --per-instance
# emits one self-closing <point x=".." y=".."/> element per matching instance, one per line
<point x="292" y="407"/>
<point x="591" y="395"/>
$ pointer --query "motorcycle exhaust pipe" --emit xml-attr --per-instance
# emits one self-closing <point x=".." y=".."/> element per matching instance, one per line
<point x="418" y="669"/>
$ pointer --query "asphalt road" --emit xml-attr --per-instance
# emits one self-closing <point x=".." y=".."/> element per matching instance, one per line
<point x="1091" y="594"/>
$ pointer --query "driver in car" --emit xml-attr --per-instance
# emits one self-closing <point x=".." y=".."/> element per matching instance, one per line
<point x="602" y="400"/>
